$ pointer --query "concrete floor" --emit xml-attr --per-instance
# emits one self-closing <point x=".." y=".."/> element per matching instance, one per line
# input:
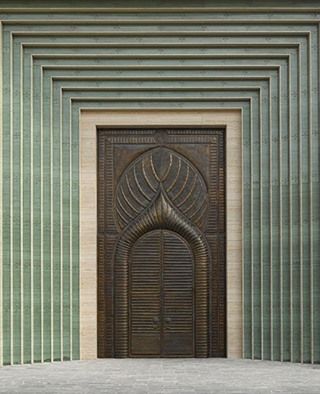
<point x="179" y="376"/>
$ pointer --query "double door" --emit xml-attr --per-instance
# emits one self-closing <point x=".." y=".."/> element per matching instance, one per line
<point x="161" y="296"/>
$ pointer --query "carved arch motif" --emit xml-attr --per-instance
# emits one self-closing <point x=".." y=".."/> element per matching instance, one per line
<point x="161" y="214"/>
<point x="180" y="179"/>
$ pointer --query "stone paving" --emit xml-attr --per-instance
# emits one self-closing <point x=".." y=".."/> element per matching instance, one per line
<point x="176" y="376"/>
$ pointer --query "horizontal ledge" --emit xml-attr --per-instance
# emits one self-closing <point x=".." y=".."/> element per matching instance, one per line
<point x="150" y="21"/>
<point x="195" y="89"/>
<point x="148" y="9"/>
<point x="161" y="57"/>
<point x="138" y="110"/>
<point x="99" y="109"/>
<point x="161" y="45"/>
<point x="134" y="78"/>
<point x="177" y="33"/>
<point x="124" y="125"/>
<point x="179" y="68"/>
<point x="182" y="99"/>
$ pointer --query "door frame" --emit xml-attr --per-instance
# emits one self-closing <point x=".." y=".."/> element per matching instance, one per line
<point x="231" y="119"/>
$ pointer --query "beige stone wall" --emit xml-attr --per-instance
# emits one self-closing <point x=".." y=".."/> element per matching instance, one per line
<point x="90" y="120"/>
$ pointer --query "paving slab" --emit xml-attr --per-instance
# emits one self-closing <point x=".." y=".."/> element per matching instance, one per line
<point x="161" y="376"/>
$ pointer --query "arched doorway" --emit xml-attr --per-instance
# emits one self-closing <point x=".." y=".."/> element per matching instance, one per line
<point x="161" y="296"/>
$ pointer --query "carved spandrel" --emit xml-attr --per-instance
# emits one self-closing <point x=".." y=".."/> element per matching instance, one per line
<point x="181" y="181"/>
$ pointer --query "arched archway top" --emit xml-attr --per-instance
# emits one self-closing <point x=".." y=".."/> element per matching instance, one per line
<point x="161" y="215"/>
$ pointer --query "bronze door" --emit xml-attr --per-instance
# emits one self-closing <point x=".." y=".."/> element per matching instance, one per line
<point x="161" y="296"/>
<point x="161" y="243"/>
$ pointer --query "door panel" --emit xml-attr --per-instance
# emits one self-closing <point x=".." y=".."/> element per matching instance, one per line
<point x="145" y="295"/>
<point x="178" y="312"/>
<point x="161" y="296"/>
<point x="161" y="243"/>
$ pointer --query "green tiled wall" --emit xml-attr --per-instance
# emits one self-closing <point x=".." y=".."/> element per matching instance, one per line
<point x="57" y="61"/>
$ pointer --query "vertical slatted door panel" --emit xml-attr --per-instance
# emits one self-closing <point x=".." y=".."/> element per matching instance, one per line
<point x="101" y="304"/>
<point x="221" y="251"/>
<point x="105" y="247"/>
<point x="145" y="288"/>
<point x="216" y="239"/>
<point x="101" y="248"/>
<point x="214" y="242"/>
<point x="178" y="297"/>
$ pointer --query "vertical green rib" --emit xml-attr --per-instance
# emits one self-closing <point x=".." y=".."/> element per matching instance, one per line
<point x="6" y="236"/>
<point x="56" y="231"/>
<point x="246" y="209"/>
<point x="265" y="224"/>
<point x="305" y="214"/>
<point x="75" y="236"/>
<point x="285" y="261"/>
<point x="66" y="226"/>
<point x="46" y="176"/>
<point x="36" y="164"/>
<point x="275" y="219"/>
<point x="27" y="351"/>
<point x="256" y="243"/>
<point x="294" y="217"/>
<point x="16" y="213"/>
<point x="315" y="199"/>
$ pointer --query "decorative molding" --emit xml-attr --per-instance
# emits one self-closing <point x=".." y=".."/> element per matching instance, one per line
<point x="262" y="60"/>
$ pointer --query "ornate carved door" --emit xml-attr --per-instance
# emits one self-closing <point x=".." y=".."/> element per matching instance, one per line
<point x="161" y="243"/>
